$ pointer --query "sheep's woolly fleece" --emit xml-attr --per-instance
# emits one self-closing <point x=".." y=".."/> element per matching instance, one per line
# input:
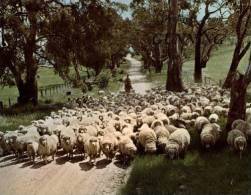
<point x="117" y="125"/>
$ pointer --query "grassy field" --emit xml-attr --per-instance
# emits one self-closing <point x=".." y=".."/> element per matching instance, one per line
<point x="218" y="171"/>
<point x="217" y="66"/>
<point x="47" y="77"/>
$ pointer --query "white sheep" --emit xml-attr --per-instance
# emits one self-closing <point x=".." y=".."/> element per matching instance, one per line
<point x="243" y="126"/>
<point x="32" y="149"/>
<point x="213" y="118"/>
<point x="162" y="137"/>
<point x="93" y="148"/>
<point x="148" y="139"/>
<point x="127" y="148"/>
<point x="68" y="141"/>
<point x="236" y="139"/>
<point x="178" y="143"/>
<point x="200" y="122"/>
<point x="210" y="134"/>
<point x="47" y="146"/>
<point x="109" y="145"/>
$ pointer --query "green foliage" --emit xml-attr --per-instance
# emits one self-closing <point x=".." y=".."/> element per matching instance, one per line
<point x="103" y="79"/>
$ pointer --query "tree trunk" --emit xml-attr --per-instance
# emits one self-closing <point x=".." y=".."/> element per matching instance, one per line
<point x="197" y="64"/>
<point x="233" y="67"/>
<point x="157" y="62"/>
<point x="237" y="108"/>
<point x="28" y="92"/>
<point x="174" y="79"/>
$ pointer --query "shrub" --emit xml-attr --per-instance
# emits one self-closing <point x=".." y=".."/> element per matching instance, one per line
<point x="103" y="79"/>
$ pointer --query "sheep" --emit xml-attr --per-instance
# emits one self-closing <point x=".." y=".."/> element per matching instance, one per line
<point x="213" y="118"/>
<point x="93" y="149"/>
<point x="147" y="139"/>
<point x="127" y="130"/>
<point x="178" y="143"/>
<point x="236" y="139"/>
<point x="208" y="110"/>
<point x="32" y="149"/>
<point x="126" y="148"/>
<point x="171" y="128"/>
<point x="47" y="146"/>
<point x="90" y="129"/>
<point x="80" y="143"/>
<point x="162" y="137"/>
<point x="186" y="109"/>
<point x="109" y="145"/>
<point x="68" y="141"/>
<point x="209" y="135"/>
<point x="243" y="126"/>
<point x="200" y="122"/>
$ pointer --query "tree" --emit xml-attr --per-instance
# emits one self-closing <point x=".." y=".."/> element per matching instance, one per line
<point x="174" y="78"/>
<point x="149" y="31"/>
<point x="237" y="108"/>
<point x="240" y="20"/>
<point x="21" y="24"/>
<point x="210" y="30"/>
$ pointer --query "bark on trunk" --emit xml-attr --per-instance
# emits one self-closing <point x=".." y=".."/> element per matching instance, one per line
<point x="237" y="108"/>
<point x="197" y="65"/>
<point x="233" y="67"/>
<point x="157" y="61"/>
<point x="174" y="79"/>
<point x="28" y="92"/>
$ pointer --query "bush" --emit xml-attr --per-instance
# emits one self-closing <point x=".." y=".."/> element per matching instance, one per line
<point x="103" y="79"/>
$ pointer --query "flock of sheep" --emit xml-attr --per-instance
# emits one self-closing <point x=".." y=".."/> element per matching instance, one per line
<point x="127" y="124"/>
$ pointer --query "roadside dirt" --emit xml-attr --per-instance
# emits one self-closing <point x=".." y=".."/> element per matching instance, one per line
<point x="60" y="177"/>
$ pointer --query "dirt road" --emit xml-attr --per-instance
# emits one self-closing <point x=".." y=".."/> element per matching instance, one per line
<point x="60" y="177"/>
<point x="139" y="81"/>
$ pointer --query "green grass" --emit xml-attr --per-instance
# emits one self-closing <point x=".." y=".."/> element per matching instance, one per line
<point x="217" y="66"/>
<point x="219" y="171"/>
<point x="47" y="77"/>
<point x="10" y="123"/>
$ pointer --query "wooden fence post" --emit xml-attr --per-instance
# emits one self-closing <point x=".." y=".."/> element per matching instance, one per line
<point x="9" y="102"/>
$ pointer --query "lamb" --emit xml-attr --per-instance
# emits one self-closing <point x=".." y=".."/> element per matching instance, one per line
<point x="200" y="122"/>
<point x="178" y="143"/>
<point x="47" y="146"/>
<point x="32" y="149"/>
<point x="210" y="134"/>
<point x="109" y="145"/>
<point x="213" y="118"/>
<point x="93" y="148"/>
<point x="127" y="148"/>
<point x="236" y="139"/>
<point x="147" y="139"/>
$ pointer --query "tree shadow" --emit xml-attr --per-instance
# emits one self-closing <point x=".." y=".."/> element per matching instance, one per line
<point x="120" y="164"/>
<point x="40" y="164"/>
<point x="6" y="158"/>
<point x="14" y="162"/>
<point x="27" y="164"/>
<point x="86" y="166"/>
<point x="101" y="164"/>
<point x="62" y="160"/>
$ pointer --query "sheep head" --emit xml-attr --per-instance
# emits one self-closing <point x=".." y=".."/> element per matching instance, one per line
<point x="43" y="141"/>
<point x="240" y="143"/>
<point x="207" y="140"/>
<point x="172" y="150"/>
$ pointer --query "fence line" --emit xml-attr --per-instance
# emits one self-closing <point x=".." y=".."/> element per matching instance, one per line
<point x="42" y="91"/>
